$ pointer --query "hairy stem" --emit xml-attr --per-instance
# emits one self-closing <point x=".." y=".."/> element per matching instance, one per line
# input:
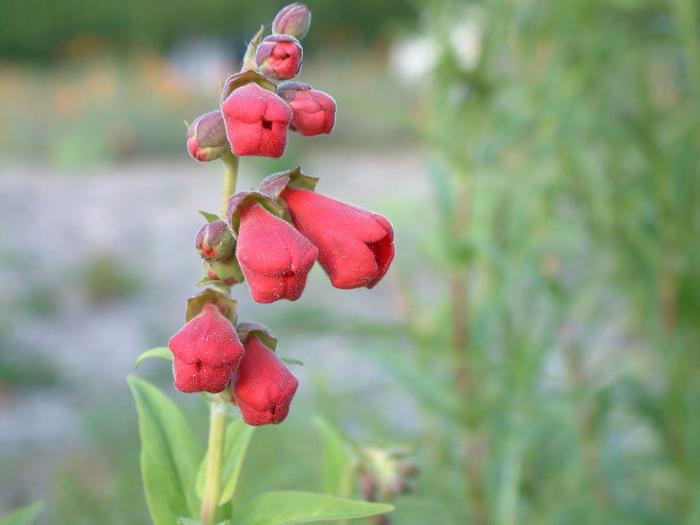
<point x="230" y="177"/>
<point x="212" y="483"/>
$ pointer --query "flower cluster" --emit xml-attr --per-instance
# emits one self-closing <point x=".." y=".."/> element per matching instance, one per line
<point x="270" y="237"/>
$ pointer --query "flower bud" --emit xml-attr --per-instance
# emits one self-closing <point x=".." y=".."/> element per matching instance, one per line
<point x="293" y="19"/>
<point x="275" y="257"/>
<point x="206" y="137"/>
<point x="313" y="110"/>
<point x="206" y="352"/>
<point x="264" y="386"/>
<point x="279" y="57"/>
<point x="256" y="121"/>
<point x="355" y="246"/>
<point x="214" y="241"/>
<point x="227" y="271"/>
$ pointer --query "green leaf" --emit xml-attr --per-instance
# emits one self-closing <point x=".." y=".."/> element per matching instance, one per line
<point x="337" y="461"/>
<point x="292" y="361"/>
<point x="169" y="455"/>
<point x="190" y="521"/>
<point x="210" y="217"/>
<point x="291" y="507"/>
<point x="24" y="516"/>
<point x="237" y="440"/>
<point x="162" y="352"/>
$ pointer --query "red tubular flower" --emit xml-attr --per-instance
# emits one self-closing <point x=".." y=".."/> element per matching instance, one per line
<point x="279" y="56"/>
<point x="313" y="110"/>
<point x="264" y="386"/>
<point x="355" y="246"/>
<point x="256" y="121"/>
<point x="274" y="257"/>
<point x="206" y="352"/>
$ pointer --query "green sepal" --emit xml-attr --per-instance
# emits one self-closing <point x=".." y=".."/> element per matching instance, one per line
<point x="262" y="332"/>
<point x="249" y="57"/>
<point x="244" y="198"/>
<point x="292" y="361"/>
<point x="241" y="79"/>
<point x="275" y="184"/>
<point x="225" y="303"/>
<point x="210" y="217"/>
<point x="161" y="352"/>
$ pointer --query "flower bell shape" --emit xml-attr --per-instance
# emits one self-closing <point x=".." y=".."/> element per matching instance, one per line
<point x="293" y="19"/>
<point x="279" y="57"/>
<point x="264" y="387"/>
<point x="355" y="246"/>
<point x="206" y="137"/>
<point x="313" y="111"/>
<point x="206" y="352"/>
<point x="256" y="121"/>
<point x="275" y="258"/>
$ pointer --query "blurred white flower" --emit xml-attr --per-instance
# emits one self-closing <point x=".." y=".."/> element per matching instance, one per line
<point x="413" y="57"/>
<point x="466" y="38"/>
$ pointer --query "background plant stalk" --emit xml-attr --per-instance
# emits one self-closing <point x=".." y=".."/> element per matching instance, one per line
<point x="215" y="449"/>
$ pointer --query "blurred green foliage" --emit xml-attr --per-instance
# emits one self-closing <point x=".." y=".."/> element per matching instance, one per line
<point x="36" y="29"/>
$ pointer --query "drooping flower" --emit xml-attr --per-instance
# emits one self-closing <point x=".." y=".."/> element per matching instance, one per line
<point x="256" y="121"/>
<point x="313" y="110"/>
<point x="264" y="386"/>
<point x="206" y="352"/>
<point x="275" y="258"/>
<point x="355" y="246"/>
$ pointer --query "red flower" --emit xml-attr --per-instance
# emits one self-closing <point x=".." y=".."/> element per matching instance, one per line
<point x="279" y="56"/>
<point x="313" y="110"/>
<point x="256" y="121"/>
<point x="206" y="352"/>
<point x="264" y="387"/>
<point x="355" y="246"/>
<point x="274" y="257"/>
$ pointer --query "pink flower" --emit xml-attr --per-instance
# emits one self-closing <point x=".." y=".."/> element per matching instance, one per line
<point x="264" y="386"/>
<point x="206" y="352"/>
<point x="274" y="257"/>
<point x="279" y="57"/>
<point x="355" y="246"/>
<point x="256" y="121"/>
<point x="313" y="110"/>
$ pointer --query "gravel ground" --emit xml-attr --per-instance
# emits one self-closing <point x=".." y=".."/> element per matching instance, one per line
<point x="142" y="216"/>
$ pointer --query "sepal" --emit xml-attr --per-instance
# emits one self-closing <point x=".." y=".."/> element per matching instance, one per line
<point x="246" y="329"/>
<point x="241" y="79"/>
<point x="275" y="184"/>
<point x="240" y="200"/>
<point x="224" y="302"/>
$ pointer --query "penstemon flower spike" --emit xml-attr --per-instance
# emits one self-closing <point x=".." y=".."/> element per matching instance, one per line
<point x="270" y="239"/>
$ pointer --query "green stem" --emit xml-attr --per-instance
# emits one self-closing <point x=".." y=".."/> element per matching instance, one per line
<point x="215" y="450"/>
<point x="230" y="176"/>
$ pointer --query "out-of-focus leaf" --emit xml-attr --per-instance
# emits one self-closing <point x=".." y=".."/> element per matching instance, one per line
<point x="24" y="516"/>
<point x="162" y="352"/>
<point x="337" y="462"/>
<point x="169" y="455"/>
<point x="291" y="507"/>
<point x="237" y="440"/>
<point x="190" y="521"/>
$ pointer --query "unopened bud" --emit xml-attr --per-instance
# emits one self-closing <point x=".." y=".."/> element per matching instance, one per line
<point x="293" y="19"/>
<point x="227" y="271"/>
<point x="313" y="110"/>
<point x="279" y="57"/>
<point x="206" y="137"/>
<point x="368" y="487"/>
<point x="214" y="241"/>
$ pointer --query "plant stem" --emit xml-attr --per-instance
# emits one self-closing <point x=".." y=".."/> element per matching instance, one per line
<point x="230" y="177"/>
<point x="212" y="484"/>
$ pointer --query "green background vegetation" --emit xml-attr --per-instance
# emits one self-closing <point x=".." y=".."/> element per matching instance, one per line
<point x="541" y="348"/>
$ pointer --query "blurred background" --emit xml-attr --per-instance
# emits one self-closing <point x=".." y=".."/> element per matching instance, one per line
<point x="536" y="345"/>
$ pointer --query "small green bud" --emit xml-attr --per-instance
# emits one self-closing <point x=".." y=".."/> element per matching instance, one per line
<point x="214" y="241"/>
<point x="206" y="137"/>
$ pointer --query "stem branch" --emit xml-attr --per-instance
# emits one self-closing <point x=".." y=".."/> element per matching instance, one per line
<point x="230" y="176"/>
<point x="212" y="484"/>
